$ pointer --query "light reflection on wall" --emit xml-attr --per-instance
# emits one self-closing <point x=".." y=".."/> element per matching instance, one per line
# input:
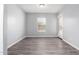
<point x="11" y="20"/>
<point x="61" y="28"/>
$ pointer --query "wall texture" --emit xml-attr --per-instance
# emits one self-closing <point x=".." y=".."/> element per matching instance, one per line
<point x="15" y="24"/>
<point x="51" y="26"/>
<point x="71" y="24"/>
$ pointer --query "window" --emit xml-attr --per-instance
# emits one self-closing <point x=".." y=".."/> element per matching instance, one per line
<point x="41" y="24"/>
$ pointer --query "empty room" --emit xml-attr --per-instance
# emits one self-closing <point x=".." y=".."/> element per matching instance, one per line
<point x="41" y="29"/>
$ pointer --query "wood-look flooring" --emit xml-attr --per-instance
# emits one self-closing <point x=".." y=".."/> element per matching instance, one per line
<point x="42" y="46"/>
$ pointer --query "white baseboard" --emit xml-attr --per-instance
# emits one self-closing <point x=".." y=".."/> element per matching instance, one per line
<point x="16" y="41"/>
<point x="71" y="44"/>
<point x="42" y="36"/>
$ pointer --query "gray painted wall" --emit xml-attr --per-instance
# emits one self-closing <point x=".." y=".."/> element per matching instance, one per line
<point x="71" y="24"/>
<point x="15" y="24"/>
<point x="31" y="25"/>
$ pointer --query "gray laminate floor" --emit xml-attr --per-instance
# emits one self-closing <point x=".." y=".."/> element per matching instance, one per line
<point x="42" y="46"/>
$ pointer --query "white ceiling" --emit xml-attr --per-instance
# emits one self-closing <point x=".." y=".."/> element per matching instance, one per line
<point x="34" y="8"/>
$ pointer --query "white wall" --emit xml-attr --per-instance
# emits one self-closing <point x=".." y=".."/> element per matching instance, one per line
<point x="51" y="27"/>
<point x="1" y="29"/>
<point x="71" y="24"/>
<point x="15" y="24"/>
